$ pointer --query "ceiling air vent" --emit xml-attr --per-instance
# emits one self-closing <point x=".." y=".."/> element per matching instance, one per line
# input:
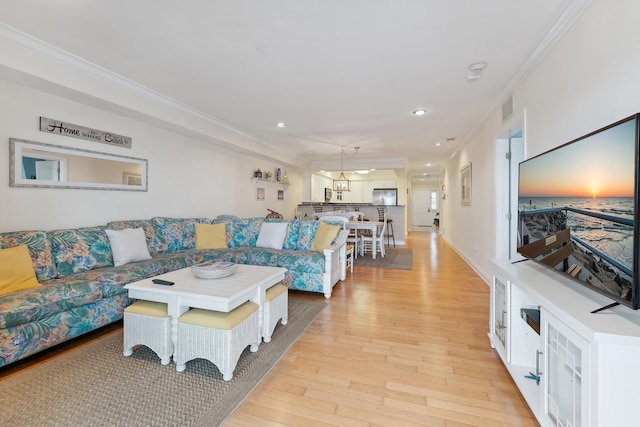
<point x="507" y="109"/>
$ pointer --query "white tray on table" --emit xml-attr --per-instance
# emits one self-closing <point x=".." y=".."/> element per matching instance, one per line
<point x="214" y="269"/>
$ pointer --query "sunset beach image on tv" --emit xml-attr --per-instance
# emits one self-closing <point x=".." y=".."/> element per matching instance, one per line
<point x="577" y="207"/>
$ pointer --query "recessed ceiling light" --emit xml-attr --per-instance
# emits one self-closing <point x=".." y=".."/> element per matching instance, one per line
<point x="428" y="164"/>
<point x="475" y="70"/>
<point x="281" y="125"/>
<point x="420" y="112"/>
<point x="477" y="67"/>
<point x="437" y="144"/>
<point x="362" y="171"/>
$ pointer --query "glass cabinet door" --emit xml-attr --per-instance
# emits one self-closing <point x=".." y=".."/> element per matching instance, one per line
<point x="566" y="389"/>
<point x="499" y="318"/>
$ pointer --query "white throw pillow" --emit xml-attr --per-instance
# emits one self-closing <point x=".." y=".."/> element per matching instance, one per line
<point x="272" y="235"/>
<point x="128" y="245"/>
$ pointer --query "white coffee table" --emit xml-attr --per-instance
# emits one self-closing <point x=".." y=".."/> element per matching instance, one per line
<point x="248" y="283"/>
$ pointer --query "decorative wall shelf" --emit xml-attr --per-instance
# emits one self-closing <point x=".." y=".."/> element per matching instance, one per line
<point x="254" y="181"/>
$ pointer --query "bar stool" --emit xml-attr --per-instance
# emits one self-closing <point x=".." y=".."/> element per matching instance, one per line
<point x="389" y="232"/>
<point x="276" y="307"/>
<point x="217" y="336"/>
<point x="148" y="323"/>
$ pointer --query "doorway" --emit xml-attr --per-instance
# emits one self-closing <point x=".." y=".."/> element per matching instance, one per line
<point x="509" y="153"/>
<point x="424" y="208"/>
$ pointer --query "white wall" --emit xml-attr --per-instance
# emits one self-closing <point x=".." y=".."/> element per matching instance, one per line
<point x="470" y="229"/>
<point x="187" y="177"/>
<point x="589" y="79"/>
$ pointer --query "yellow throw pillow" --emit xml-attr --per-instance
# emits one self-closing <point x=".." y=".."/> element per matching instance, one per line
<point x="16" y="270"/>
<point x="211" y="236"/>
<point x="324" y="236"/>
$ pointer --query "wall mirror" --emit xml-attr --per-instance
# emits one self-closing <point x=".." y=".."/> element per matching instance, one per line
<point x="34" y="164"/>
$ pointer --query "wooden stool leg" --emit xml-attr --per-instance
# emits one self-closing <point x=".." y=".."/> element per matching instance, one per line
<point x="390" y="234"/>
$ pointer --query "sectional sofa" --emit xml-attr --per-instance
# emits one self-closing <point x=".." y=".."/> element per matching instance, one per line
<point x="81" y="289"/>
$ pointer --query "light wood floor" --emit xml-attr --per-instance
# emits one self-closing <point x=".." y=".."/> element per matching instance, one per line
<point x="392" y="348"/>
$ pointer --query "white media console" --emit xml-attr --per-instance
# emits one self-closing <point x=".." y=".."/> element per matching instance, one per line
<point x="574" y="368"/>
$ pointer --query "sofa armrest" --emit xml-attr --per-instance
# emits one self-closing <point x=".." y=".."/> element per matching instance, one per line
<point x="339" y="241"/>
<point x="335" y="266"/>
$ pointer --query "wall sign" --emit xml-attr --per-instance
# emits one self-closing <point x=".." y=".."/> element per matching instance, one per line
<point x="81" y="132"/>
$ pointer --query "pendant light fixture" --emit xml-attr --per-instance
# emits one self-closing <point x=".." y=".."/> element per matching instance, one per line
<point x="342" y="183"/>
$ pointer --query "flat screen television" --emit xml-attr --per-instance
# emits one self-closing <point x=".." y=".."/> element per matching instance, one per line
<point x="578" y="211"/>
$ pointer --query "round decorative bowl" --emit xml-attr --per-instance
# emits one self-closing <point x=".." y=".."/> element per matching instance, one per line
<point x="213" y="269"/>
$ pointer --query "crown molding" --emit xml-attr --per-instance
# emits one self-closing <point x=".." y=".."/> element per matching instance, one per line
<point x="74" y="63"/>
<point x="565" y="20"/>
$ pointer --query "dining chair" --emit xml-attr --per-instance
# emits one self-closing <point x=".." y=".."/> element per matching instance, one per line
<point x="319" y="215"/>
<point x="367" y="241"/>
<point x="354" y="234"/>
<point x="350" y="250"/>
<point x="329" y="217"/>
<point x="358" y="216"/>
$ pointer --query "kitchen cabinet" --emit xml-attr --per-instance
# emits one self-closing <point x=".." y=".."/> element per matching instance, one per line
<point x="367" y="189"/>
<point x="318" y="184"/>
<point x="384" y="183"/>
<point x="361" y="190"/>
<point x="355" y="195"/>
<point x="360" y="193"/>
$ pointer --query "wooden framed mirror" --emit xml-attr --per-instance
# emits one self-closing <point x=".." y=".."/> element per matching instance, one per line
<point x="35" y="164"/>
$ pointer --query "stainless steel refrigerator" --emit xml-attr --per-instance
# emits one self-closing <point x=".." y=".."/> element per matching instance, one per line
<point x="385" y="196"/>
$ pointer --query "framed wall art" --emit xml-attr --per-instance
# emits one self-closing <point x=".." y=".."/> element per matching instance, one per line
<point x="465" y="188"/>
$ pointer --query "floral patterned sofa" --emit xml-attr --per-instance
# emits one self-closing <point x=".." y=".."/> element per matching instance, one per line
<point x="82" y="290"/>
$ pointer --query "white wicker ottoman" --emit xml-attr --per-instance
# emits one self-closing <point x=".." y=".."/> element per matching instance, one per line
<point x="147" y="323"/>
<point x="276" y="307"/>
<point x="217" y="336"/>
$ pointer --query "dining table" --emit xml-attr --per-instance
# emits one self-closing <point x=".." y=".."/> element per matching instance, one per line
<point x="367" y="225"/>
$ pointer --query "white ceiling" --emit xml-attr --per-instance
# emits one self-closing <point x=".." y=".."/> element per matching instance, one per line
<point x="339" y="73"/>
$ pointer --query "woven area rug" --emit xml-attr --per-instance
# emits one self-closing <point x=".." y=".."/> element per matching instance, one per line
<point x="97" y="386"/>
<point x="394" y="258"/>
